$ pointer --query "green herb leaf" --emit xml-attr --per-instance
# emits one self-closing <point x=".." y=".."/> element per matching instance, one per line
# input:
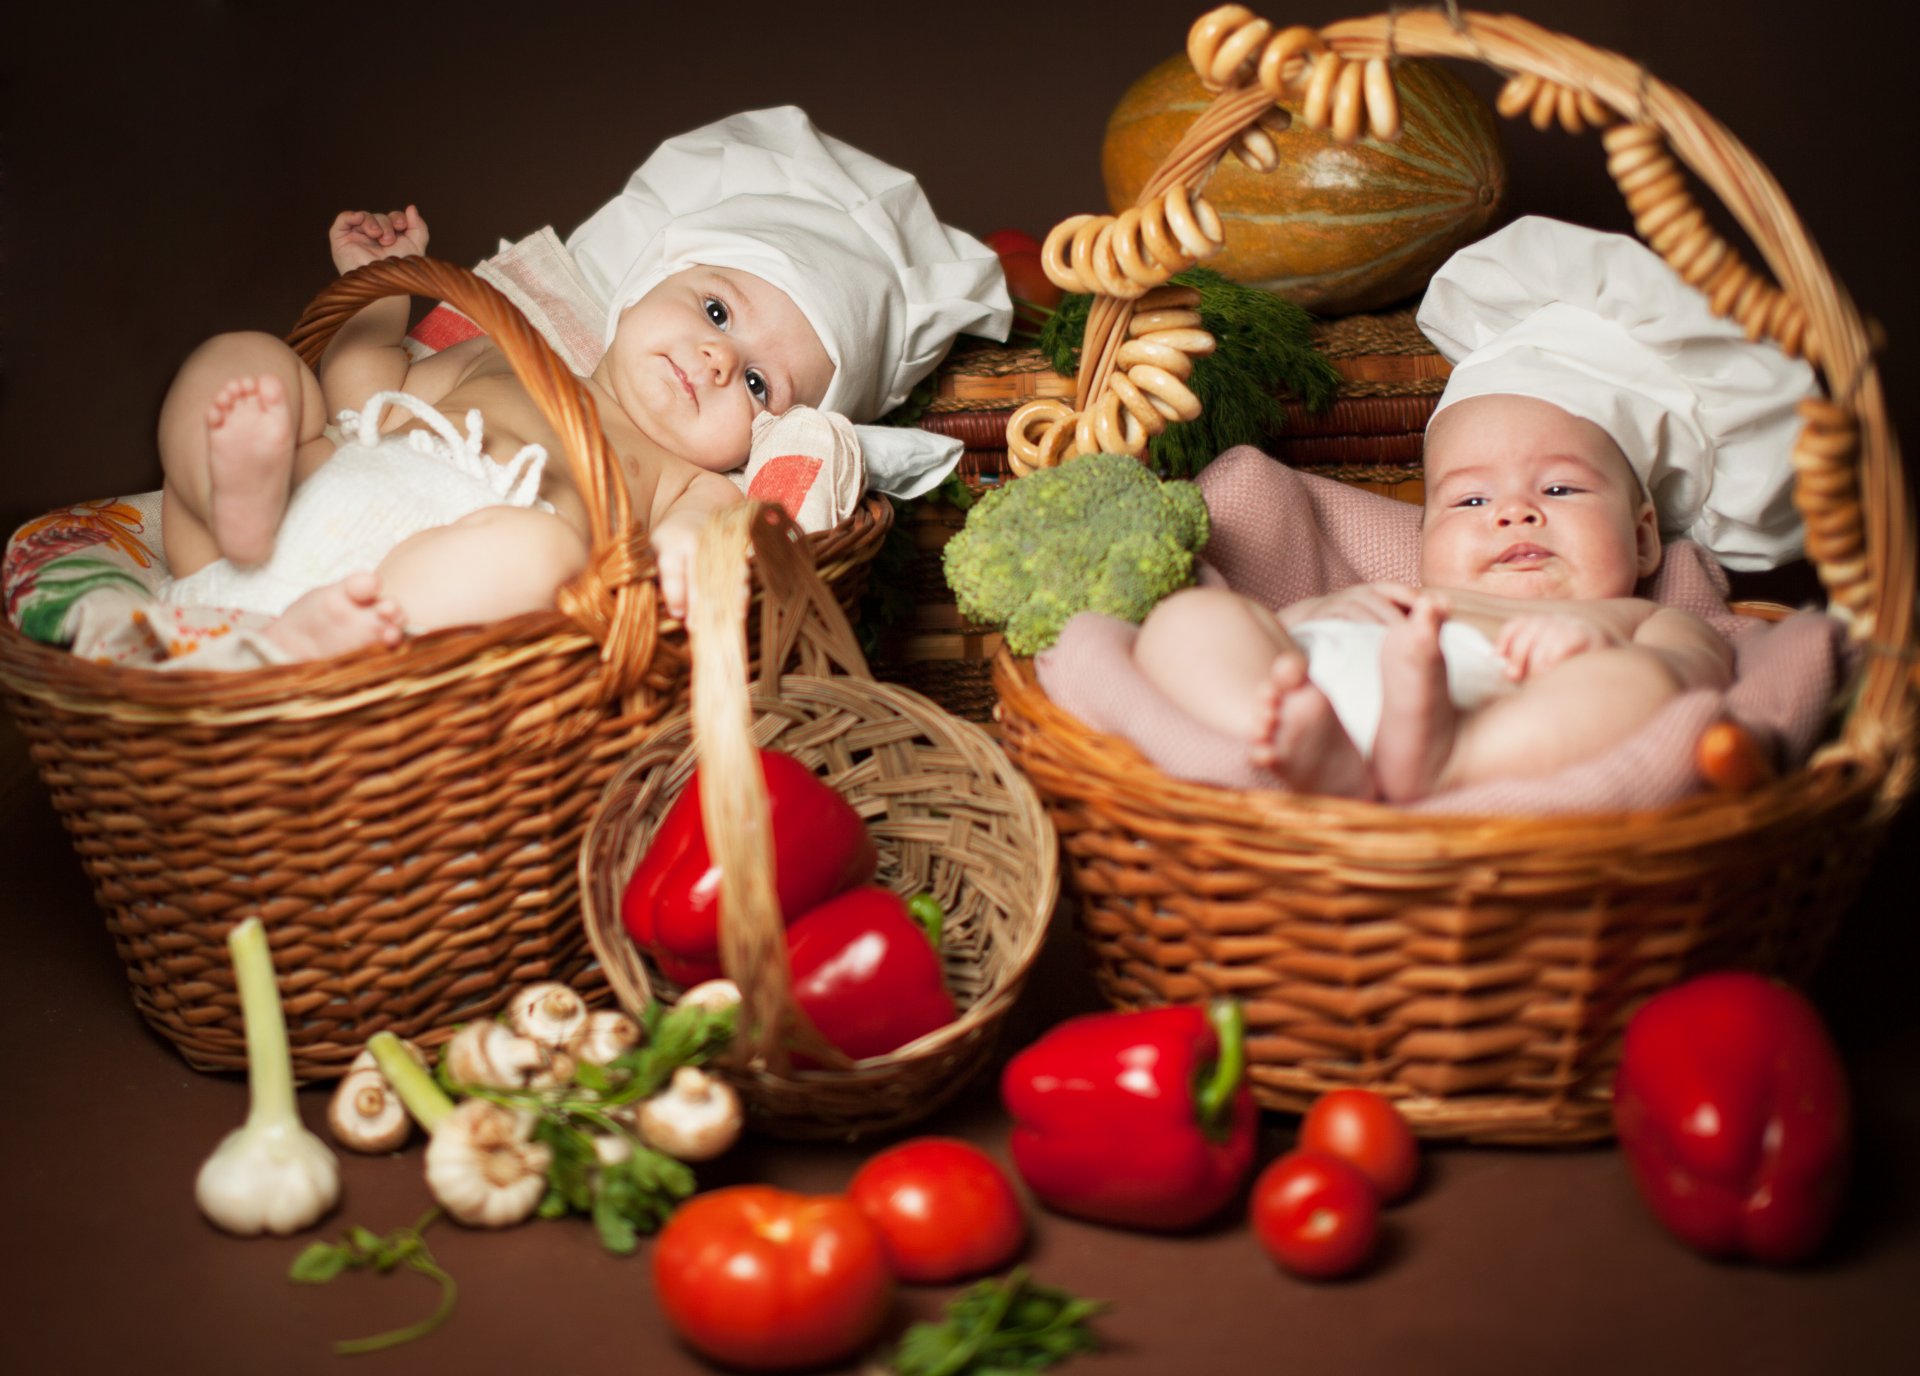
<point x="319" y="1263"/>
<point x="363" y="1249"/>
<point x="1008" y="1325"/>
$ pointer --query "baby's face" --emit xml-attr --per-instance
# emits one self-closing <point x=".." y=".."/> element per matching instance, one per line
<point x="1525" y="500"/>
<point x="699" y="356"/>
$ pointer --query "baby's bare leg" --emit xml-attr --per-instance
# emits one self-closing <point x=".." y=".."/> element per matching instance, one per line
<point x="1418" y="720"/>
<point x="1228" y="663"/>
<point x="498" y="562"/>
<point x="1578" y="709"/>
<point x="241" y="425"/>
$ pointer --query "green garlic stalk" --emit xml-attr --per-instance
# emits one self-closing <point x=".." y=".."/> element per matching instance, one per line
<point x="270" y="1174"/>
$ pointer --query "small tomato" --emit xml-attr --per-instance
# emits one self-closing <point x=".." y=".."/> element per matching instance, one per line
<point x="944" y="1208"/>
<point x="768" y="1280"/>
<point x="1368" y="1133"/>
<point x="1315" y="1215"/>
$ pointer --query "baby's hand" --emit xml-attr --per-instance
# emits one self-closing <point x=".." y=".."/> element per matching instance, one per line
<point x="359" y="237"/>
<point x="674" y="543"/>
<point x="1534" y="643"/>
<point x="1380" y="603"/>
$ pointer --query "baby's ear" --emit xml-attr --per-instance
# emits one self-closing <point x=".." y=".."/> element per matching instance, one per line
<point x="1646" y="537"/>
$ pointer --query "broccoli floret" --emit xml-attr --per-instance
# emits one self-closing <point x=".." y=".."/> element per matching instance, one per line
<point x="1098" y="533"/>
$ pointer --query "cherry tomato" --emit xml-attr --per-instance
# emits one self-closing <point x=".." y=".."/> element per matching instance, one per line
<point x="944" y="1209"/>
<point x="1366" y="1131"/>
<point x="768" y="1280"/>
<point x="1315" y="1215"/>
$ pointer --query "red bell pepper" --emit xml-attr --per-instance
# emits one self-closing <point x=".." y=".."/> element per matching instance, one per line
<point x="1142" y="1119"/>
<point x="671" y="906"/>
<point x="1732" y="1107"/>
<point x="866" y="974"/>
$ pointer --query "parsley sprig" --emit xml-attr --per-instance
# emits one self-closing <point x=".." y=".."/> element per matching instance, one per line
<point x="361" y="1249"/>
<point x="1000" y="1326"/>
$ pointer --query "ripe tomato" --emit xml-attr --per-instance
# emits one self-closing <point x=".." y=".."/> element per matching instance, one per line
<point x="1315" y="1214"/>
<point x="1366" y="1131"/>
<point x="768" y="1280"/>
<point x="944" y="1209"/>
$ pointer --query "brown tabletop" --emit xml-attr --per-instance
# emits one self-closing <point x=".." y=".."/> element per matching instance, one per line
<point x="1504" y="1260"/>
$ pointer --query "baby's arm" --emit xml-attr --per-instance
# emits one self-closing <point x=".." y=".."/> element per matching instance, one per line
<point x="369" y="354"/>
<point x="1697" y="655"/>
<point x="676" y="534"/>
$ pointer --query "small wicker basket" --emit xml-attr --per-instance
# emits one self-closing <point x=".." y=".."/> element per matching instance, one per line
<point x="407" y="822"/>
<point x="949" y="814"/>
<point x="1480" y="970"/>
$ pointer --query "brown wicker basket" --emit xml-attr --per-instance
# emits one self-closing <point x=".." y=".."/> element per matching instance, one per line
<point x="949" y="814"/>
<point x="1480" y="970"/>
<point x="407" y="821"/>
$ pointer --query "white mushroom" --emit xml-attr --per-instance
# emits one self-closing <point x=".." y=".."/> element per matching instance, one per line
<point x="714" y="995"/>
<point x="492" y="1054"/>
<point x="607" y="1033"/>
<point x="548" y="1013"/>
<point x="694" y="1119"/>
<point x="484" y="1166"/>
<point x="366" y="1115"/>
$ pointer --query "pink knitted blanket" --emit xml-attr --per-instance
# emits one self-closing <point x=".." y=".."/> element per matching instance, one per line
<point x="1279" y="536"/>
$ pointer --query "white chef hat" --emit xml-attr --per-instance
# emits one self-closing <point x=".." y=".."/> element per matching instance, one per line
<point x="853" y="241"/>
<point x="1599" y="326"/>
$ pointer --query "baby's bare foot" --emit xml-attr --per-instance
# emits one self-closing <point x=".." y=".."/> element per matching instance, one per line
<point x="1299" y="737"/>
<point x="338" y="618"/>
<point x="249" y="465"/>
<point x="1417" y="716"/>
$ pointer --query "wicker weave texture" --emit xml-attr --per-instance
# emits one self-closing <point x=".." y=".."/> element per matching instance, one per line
<point x="947" y="811"/>
<point x="406" y="822"/>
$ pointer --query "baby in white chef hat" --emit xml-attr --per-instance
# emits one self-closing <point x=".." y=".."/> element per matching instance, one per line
<point x="749" y="267"/>
<point x="1595" y="402"/>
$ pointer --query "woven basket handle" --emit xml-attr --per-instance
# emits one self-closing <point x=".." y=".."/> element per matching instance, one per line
<point x="613" y="599"/>
<point x="798" y="615"/>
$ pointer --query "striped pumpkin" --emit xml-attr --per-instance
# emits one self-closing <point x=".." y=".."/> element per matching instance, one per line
<point x="1335" y="228"/>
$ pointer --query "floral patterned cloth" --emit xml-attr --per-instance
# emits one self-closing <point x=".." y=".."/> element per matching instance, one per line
<point x="85" y="575"/>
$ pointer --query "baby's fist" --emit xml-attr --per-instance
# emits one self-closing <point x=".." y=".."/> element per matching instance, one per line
<point x="359" y="237"/>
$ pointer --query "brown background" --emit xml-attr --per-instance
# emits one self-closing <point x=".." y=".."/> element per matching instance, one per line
<point x="170" y="174"/>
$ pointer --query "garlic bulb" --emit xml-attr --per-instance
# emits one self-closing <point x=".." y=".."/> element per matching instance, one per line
<point x="270" y="1174"/>
<point x="484" y="1166"/>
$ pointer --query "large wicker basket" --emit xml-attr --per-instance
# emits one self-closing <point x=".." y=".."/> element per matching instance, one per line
<point x="407" y="822"/>
<point x="1480" y="970"/>
<point x="949" y="814"/>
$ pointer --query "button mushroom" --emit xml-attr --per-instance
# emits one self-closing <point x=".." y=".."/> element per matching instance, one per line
<point x="493" y="1055"/>
<point x="695" y="1118"/>
<point x="607" y="1033"/>
<point x="366" y="1115"/>
<point x="548" y="1013"/>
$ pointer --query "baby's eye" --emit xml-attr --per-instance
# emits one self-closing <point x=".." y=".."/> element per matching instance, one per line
<point x="757" y="386"/>
<point x="1471" y="501"/>
<point x="1560" y="489"/>
<point x="717" y="312"/>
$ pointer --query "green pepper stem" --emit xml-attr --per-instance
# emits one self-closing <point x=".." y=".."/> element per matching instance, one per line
<point x="925" y="909"/>
<point x="1215" y="1100"/>
<point x="425" y="1100"/>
